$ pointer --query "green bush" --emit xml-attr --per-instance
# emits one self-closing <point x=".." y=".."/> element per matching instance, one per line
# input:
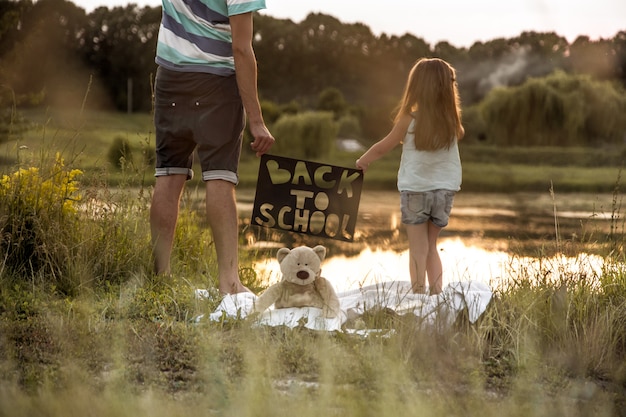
<point x="474" y="124"/>
<point x="349" y="127"/>
<point x="66" y="238"/>
<point x="120" y="153"/>
<point x="308" y="135"/>
<point x="38" y="218"/>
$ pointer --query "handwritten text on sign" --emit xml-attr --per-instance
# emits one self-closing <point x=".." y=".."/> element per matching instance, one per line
<point x="307" y="197"/>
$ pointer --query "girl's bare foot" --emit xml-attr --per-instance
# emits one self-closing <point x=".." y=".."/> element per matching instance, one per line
<point x="419" y="289"/>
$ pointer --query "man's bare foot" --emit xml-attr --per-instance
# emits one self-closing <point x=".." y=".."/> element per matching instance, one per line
<point x="233" y="288"/>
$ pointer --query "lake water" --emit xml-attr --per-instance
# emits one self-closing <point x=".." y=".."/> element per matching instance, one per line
<point x="492" y="238"/>
<point x="460" y="263"/>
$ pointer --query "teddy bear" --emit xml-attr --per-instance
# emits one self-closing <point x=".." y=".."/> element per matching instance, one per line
<point x="301" y="284"/>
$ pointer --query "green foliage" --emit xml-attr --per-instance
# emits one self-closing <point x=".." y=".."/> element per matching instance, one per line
<point x="166" y="299"/>
<point x="114" y="240"/>
<point x="307" y="135"/>
<point x="332" y="100"/>
<point x="19" y="302"/>
<point x="553" y="156"/>
<point x="349" y="127"/>
<point x="474" y="124"/>
<point x="38" y="218"/>
<point x="502" y="177"/>
<point x="120" y="153"/>
<point x="53" y="47"/>
<point x="11" y="121"/>
<point x="271" y="111"/>
<point x="66" y="238"/>
<point x="54" y="51"/>
<point x="567" y="323"/>
<point x="558" y="110"/>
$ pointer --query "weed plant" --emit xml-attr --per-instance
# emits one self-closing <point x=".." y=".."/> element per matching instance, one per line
<point x="86" y="329"/>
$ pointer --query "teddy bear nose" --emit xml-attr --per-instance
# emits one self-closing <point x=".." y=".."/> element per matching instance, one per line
<point x="302" y="274"/>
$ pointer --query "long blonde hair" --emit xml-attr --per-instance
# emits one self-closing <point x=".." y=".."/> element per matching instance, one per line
<point x="431" y="96"/>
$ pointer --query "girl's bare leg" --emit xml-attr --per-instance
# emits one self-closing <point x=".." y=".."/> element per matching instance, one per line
<point x="418" y="255"/>
<point x="434" y="269"/>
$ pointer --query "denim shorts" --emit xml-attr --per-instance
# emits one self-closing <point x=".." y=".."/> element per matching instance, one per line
<point x="198" y="111"/>
<point x="418" y="208"/>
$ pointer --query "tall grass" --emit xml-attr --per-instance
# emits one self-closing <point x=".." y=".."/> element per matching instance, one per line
<point x="87" y="329"/>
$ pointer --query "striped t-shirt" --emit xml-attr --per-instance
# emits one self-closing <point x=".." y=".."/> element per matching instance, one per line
<point x="195" y="35"/>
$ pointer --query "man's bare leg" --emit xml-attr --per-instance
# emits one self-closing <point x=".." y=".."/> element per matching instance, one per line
<point x="163" y="218"/>
<point x="221" y="208"/>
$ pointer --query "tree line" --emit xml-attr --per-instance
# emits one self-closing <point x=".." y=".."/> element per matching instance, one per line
<point x="53" y="53"/>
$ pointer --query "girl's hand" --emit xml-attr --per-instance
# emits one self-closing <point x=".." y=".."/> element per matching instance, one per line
<point x="361" y="165"/>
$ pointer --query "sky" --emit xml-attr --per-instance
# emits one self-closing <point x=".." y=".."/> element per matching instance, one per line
<point x="459" y="22"/>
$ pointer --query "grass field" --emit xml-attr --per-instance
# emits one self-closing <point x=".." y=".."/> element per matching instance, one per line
<point x="86" y="138"/>
<point x="85" y="329"/>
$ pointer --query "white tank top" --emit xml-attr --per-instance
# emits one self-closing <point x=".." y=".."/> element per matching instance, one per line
<point x="428" y="170"/>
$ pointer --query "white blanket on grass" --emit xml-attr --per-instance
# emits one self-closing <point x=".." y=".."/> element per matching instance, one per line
<point x="440" y="310"/>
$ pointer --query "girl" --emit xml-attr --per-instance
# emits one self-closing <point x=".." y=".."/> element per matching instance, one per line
<point x="428" y="125"/>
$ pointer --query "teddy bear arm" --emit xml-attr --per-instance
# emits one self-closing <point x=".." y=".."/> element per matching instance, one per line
<point x="329" y="297"/>
<point x="267" y="298"/>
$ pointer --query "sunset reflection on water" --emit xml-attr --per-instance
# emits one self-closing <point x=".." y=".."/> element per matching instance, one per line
<point x="483" y="241"/>
<point x="460" y="263"/>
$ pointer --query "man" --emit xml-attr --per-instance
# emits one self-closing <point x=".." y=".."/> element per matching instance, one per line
<point x="207" y="76"/>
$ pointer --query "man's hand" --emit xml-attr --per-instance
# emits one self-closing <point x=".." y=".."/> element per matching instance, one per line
<point x="263" y="139"/>
<point x="246" y="72"/>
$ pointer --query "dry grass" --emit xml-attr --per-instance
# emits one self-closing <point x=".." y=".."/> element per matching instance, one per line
<point x="539" y="348"/>
<point x="101" y="336"/>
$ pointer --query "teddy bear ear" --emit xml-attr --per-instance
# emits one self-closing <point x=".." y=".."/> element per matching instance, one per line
<point x="282" y="252"/>
<point x="320" y="251"/>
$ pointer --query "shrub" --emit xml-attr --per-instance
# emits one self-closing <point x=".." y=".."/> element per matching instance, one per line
<point x="120" y="153"/>
<point x="349" y="127"/>
<point x="474" y="124"/>
<point x="38" y="218"/>
<point x="307" y="135"/>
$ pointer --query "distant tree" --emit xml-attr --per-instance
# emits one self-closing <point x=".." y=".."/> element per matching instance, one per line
<point x="508" y="62"/>
<point x="11" y="14"/>
<point x="332" y="100"/>
<point x="548" y="45"/>
<point x="450" y="53"/>
<point x="277" y="45"/>
<point x="620" y="56"/>
<point x="120" y="45"/>
<point x="52" y="52"/>
<point x="598" y="58"/>
<point x="41" y="52"/>
<point x="558" y="110"/>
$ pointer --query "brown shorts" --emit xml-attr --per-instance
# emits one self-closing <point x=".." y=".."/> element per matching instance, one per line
<point x="198" y="111"/>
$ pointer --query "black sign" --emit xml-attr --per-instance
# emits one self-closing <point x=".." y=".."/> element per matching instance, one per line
<point x="307" y="197"/>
